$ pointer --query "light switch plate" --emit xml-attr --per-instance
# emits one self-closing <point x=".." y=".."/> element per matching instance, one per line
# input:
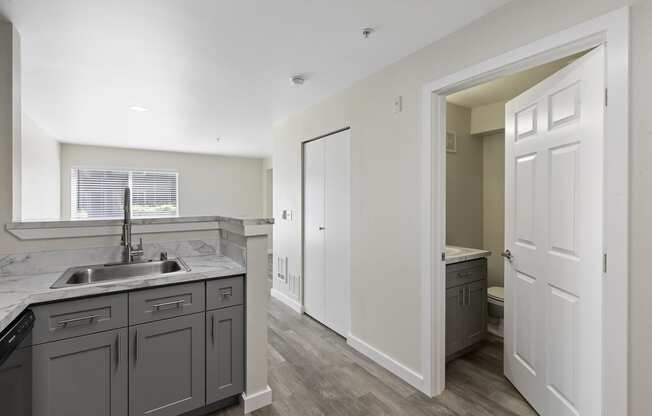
<point x="398" y="104"/>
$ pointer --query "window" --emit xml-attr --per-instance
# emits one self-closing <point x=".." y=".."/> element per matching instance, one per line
<point x="98" y="193"/>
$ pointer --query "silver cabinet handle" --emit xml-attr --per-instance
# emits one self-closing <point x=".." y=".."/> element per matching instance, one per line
<point x="225" y="293"/>
<point x="88" y="318"/>
<point x="461" y="296"/>
<point x="117" y="350"/>
<point x="158" y="306"/>
<point x="213" y="328"/>
<point x="135" y="346"/>
<point x="467" y="297"/>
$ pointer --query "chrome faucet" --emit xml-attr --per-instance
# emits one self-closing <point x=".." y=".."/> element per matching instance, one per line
<point x="130" y="252"/>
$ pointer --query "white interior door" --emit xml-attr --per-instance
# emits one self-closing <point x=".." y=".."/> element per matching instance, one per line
<point x="314" y="265"/>
<point x="338" y="231"/>
<point x="327" y="229"/>
<point x="554" y="207"/>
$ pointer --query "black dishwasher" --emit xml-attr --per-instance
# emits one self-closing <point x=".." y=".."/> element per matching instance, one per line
<point x="16" y="367"/>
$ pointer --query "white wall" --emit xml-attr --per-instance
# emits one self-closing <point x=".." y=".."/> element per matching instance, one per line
<point x="208" y="184"/>
<point x="386" y="174"/>
<point x="463" y="181"/>
<point x="493" y="205"/>
<point x="41" y="173"/>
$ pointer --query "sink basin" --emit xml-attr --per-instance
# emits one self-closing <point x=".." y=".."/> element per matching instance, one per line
<point x="85" y="275"/>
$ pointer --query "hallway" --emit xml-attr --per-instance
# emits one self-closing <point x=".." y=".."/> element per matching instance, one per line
<point x="314" y="372"/>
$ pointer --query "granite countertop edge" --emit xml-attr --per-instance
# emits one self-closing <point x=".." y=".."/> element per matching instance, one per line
<point x="17" y="293"/>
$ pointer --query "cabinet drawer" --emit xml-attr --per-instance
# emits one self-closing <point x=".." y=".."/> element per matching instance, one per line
<point x="55" y="321"/>
<point x="165" y="302"/>
<point x="466" y="272"/>
<point x="222" y="293"/>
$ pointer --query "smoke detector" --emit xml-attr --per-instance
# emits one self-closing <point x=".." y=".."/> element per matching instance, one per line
<point x="297" y="80"/>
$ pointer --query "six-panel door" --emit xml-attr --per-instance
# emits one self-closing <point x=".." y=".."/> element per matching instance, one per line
<point x="81" y="376"/>
<point x="167" y="366"/>
<point x="224" y="353"/>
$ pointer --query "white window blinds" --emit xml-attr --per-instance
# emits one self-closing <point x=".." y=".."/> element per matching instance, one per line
<point x="98" y="193"/>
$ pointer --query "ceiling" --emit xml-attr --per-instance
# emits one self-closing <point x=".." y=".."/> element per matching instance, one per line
<point x="207" y="68"/>
<point x="507" y="87"/>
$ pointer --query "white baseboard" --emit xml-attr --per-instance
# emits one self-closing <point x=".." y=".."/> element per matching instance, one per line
<point x="257" y="400"/>
<point x="393" y="366"/>
<point x="288" y="301"/>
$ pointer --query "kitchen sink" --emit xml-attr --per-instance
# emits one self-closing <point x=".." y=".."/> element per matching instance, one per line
<point x="85" y="275"/>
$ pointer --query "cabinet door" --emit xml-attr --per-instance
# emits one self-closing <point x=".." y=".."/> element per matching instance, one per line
<point x="81" y="376"/>
<point x="224" y="353"/>
<point x="16" y="383"/>
<point x="475" y="312"/>
<point x="166" y="366"/>
<point x="454" y="322"/>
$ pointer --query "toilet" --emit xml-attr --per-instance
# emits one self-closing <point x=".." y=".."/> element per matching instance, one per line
<point x="495" y="309"/>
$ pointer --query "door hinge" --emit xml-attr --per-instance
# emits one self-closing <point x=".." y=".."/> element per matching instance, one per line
<point x="604" y="263"/>
<point x="606" y="97"/>
<point x="443" y="256"/>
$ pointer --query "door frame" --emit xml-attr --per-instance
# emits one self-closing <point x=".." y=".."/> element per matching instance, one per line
<point x="302" y="300"/>
<point x="611" y="29"/>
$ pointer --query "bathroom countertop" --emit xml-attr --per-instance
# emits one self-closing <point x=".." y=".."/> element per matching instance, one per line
<point x="455" y="254"/>
<point x="17" y="293"/>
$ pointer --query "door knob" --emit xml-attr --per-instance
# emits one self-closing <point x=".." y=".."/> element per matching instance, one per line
<point x="322" y="228"/>
<point x="507" y="254"/>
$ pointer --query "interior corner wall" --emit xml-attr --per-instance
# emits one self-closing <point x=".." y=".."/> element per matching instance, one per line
<point x="493" y="205"/>
<point x="41" y="173"/>
<point x="386" y="183"/>
<point x="463" y="181"/>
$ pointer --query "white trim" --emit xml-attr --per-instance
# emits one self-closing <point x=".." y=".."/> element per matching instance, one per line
<point x="287" y="301"/>
<point x="409" y="376"/>
<point x="257" y="400"/>
<point x="613" y="29"/>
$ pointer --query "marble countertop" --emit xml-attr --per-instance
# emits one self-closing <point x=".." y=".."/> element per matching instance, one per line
<point x="455" y="254"/>
<point x="17" y="293"/>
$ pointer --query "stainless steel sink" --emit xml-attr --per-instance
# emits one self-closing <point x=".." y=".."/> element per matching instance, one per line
<point x="85" y="275"/>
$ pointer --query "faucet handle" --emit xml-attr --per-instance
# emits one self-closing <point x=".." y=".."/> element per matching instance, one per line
<point x="140" y="243"/>
<point x="164" y="255"/>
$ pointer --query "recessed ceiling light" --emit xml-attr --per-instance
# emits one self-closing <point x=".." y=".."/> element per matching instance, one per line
<point x="138" y="108"/>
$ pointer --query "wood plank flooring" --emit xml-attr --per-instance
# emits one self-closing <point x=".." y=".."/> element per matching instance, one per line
<point x="313" y="372"/>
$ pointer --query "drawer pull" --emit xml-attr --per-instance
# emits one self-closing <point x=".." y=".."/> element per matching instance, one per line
<point x="158" y="306"/>
<point x="462" y="275"/>
<point x="89" y="318"/>
<point x="224" y="293"/>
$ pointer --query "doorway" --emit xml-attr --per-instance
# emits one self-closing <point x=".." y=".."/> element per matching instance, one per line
<point x="612" y="29"/>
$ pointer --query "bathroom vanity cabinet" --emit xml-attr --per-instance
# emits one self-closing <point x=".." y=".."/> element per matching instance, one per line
<point x="466" y="305"/>
<point x="163" y="351"/>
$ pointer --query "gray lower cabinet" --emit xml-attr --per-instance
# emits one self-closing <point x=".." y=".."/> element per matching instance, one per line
<point x="466" y="305"/>
<point x="81" y="376"/>
<point x="224" y="353"/>
<point x="167" y="366"/>
<point x="454" y="316"/>
<point x="16" y="383"/>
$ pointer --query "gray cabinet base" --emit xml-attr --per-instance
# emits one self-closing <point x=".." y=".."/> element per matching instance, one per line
<point x="214" y="407"/>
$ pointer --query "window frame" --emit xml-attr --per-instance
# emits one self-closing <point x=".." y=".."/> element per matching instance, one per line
<point x="130" y="171"/>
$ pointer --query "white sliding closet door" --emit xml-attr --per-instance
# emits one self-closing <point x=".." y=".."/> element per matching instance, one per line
<point x="327" y="230"/>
